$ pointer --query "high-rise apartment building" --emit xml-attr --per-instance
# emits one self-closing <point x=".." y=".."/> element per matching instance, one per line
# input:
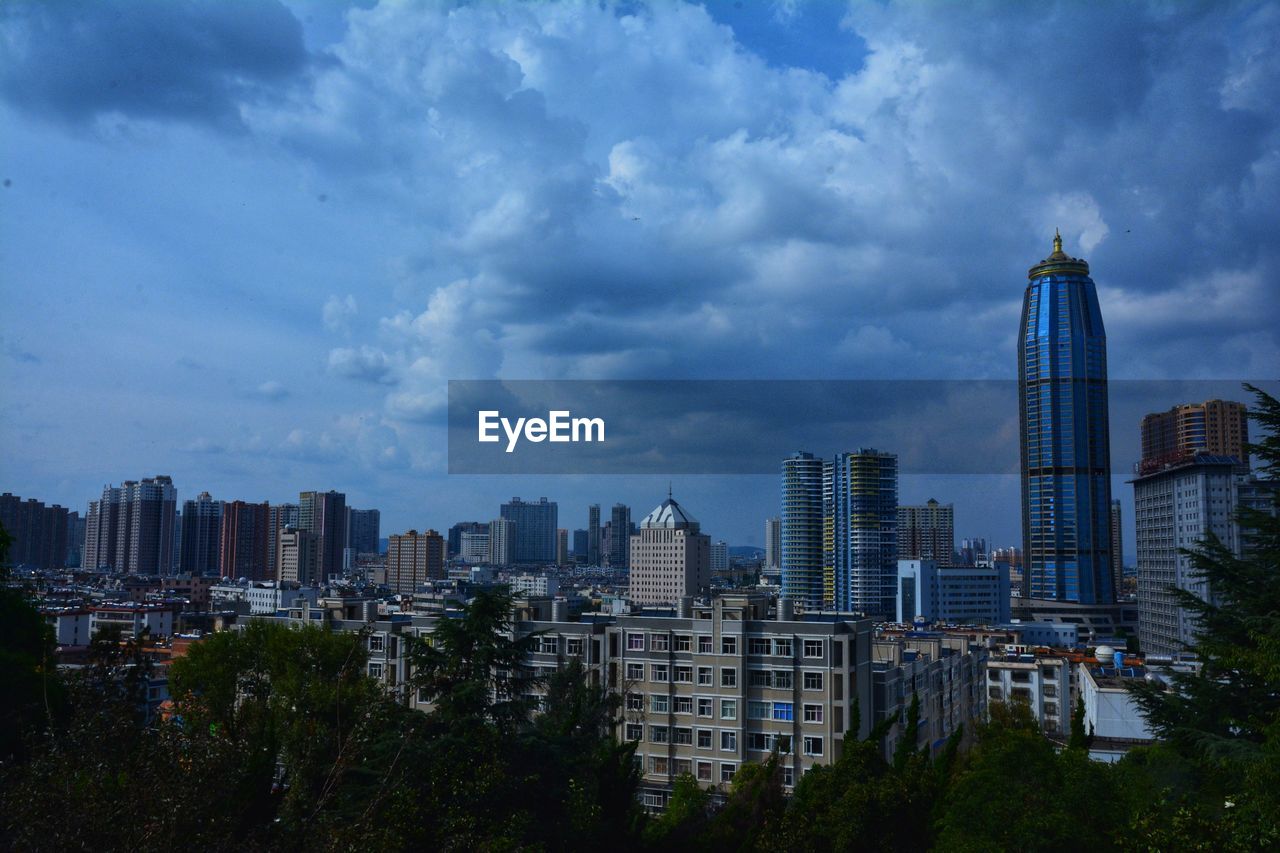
<point x="1175" y="508"/>
<point x="298" y="557"/>
<point x="773" y="544"/>
<point x="804" y="480"/>
<point x="132" y="528"/>
<point x="1216" y="427"/>
<point x="619" y="538"/>
<point x="562" y="547"/>
<point x="453" y="539"/>
<point x="579" y="545"/>
<point x="474" y="547"/>
<point x="201" y="536"/>
<point x="719" y="557"/>
<point x="927" y="532"/>
<point x="864" y="508"/>
<point x="39" y="532"/>
<point x="245" y="544"/>
<point x="414" y="558"/>
<point x="1117" y="547"/>
<point x="504" y="538"/>
<point x="670" y="556"/>
<point x="363" y="530"/>
<point x="593" y="535"/>
<point x="280" y="517"/>
<point x="1065" y="449"/>
<point x="325" y="514"/>
<point x="536" y="526"/>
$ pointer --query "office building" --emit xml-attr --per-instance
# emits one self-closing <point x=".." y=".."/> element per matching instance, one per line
<point x="413" y="559"/>
<point x="593" y="535"/>
<point x="670" y="556"/>
<point x="1176" y="508"/>
<point x="364" y="527"/>
<point x="39" y="532"/>
<point x="719" y="557"/>
<point x="245" y="542"/>
<point x="618" y="537"/>
<point x="956" y="595"/>
<point x="1065" y="449"/>
<point x="1216" y="427"/>
<point x="504" y="537"/>
<point x="864" y="510"/>
<point x="773" y="545"/>
<point x="325" y="515"/>
<point x="201" y="536"/>
<point x="536" y="526"/>
<point x="927" y="532"/>
<point x="804" y="481"/>
<point x="580" y="545"/>
<point x="298" y="557"/>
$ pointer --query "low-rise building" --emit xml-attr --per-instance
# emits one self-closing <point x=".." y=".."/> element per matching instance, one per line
<point x="1110" y="714"/>
<point x="1043" y="682"/>
<point x="132" y="619"/>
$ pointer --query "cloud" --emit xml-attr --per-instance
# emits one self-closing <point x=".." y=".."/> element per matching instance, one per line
<point x="272" y="390"/>
<point x="153" y="59"/>
<point x="338" y="313"/>
<point x="366" y="363"/>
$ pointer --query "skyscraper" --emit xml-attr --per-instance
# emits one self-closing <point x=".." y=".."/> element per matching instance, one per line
<point x="246" y="545"/>
<point x="132" y="528"/>
<point x="1065" y="452"/>
<point x="504" y="536"/>
<point x="536" y="525"/>
<point x="325" y="515"/>
<point x="298" y="557"/>
<point x="719" y="557"/>
<point x="1217" y="427"/>
<point x="280" y="517"/>
<point x="39" y="532"/>
<point x="927" y="532"/>
<point x="363" y="530"/>
<point x="864" y="509"/>
<point x="620" y="527"/>
<point x="593" y="535"/>
<point x="772" y="544"/>
<point x="670" y="556"/>
<point x="579" y="545"/>
<point x="1117" y="548"/>
<point x="562" y="547"/>
<point x="201" y="536"/>
<point x="803" y="480"/>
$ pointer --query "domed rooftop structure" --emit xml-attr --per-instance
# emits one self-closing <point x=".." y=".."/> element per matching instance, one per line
<point x="670" y="515"/>
<point x="1059" y="262"/>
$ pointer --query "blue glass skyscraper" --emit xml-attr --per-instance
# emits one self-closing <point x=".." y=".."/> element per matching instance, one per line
<point x="1066" y="456"/>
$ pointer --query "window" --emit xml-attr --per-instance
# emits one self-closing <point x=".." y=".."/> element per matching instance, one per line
<point x="635" y="642"/>
<point x="548" y="645"/>
<point x="573" y="647"/>
<point x="681" y="766"/>
<point x="635" y="702"/>
<point x="813" y="648"/>
<point x="635" y="731"/>
<point x="704" y="645"/>
<point x="728" y="676"/>
<point x="728" y="741"/>
<point x="704" y="771"/>
<point x="659" y="734"/>
<point x="658" y="673"/>
<point x="788" y="777"/>
<point x="684" y="737"/>
<point x="726" y="772"/>
<point x="782" y="648"/>
<point x="704" y="738"/>
<point x="659" y="704"/>
<point x="783" y="711"/>
<point x="684" y="705"/>
<point x="758" y="646"/>
<point x="812" y="745"/>
<point x="704" y="707"/>
<point x="759" y="678"/>
<point x="658" y="765"/>
<point x="704" y="676"/>
<point x="782" y="679"/>
<point x="728" y="709"/>
<point x="728" y="645"/>
<point x="759" y="741"/>
<point x="683" y="642"/>
<point x="652" y="800"/>
<point x="375" y="670"/>
<point x="635" y="672"/>
<point x="813" y="681"/>
<point x="758" y="710"/>
<point x="682" y="675"/>
<point x="376" y="642"/>
<point x="659" y="642"/>
<point x="813" y="713"/>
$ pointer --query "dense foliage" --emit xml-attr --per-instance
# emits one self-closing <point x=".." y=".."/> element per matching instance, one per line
<point x="278" y="740"/>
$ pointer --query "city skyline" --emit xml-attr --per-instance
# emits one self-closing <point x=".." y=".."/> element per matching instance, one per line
<point x="222" y="241"/>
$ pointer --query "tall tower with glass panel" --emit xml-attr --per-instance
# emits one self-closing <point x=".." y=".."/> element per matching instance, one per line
<point x="804" y="481"/>
<point x="1065" y="451"/>
<point x="864" y="510"/>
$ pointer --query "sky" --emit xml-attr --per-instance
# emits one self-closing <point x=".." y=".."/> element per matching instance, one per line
<point x="248" y="244"/>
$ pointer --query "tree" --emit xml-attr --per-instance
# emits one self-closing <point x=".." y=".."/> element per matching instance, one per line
<point x="1080" y="739"/>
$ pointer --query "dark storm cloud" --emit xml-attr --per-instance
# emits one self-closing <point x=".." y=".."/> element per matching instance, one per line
<point x="186" y="59"/>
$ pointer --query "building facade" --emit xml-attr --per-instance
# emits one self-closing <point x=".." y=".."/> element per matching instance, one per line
<point x="1065" y="444"/>
<point x="245" y="545"/>
<point x="927" y="532"/>
<point x="977" y="595"/>
<point x="201" y="536"/>
<point x="325" y="515"/>
<point x="364" y="527"/>
<point x="670" y="557"/>
<point x="504" y="537"/>
<point x="298" y="557"/>
<point x="40" y="533"/>
<point x="864" y="509"/>
<point x="536" y="526"/>
<point x="1216" y="427"/>
<point x="593" y="535"/>
<point x="413" y="559"/>
<point x="805" y="487"/>
<point x="773" y="545"/>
